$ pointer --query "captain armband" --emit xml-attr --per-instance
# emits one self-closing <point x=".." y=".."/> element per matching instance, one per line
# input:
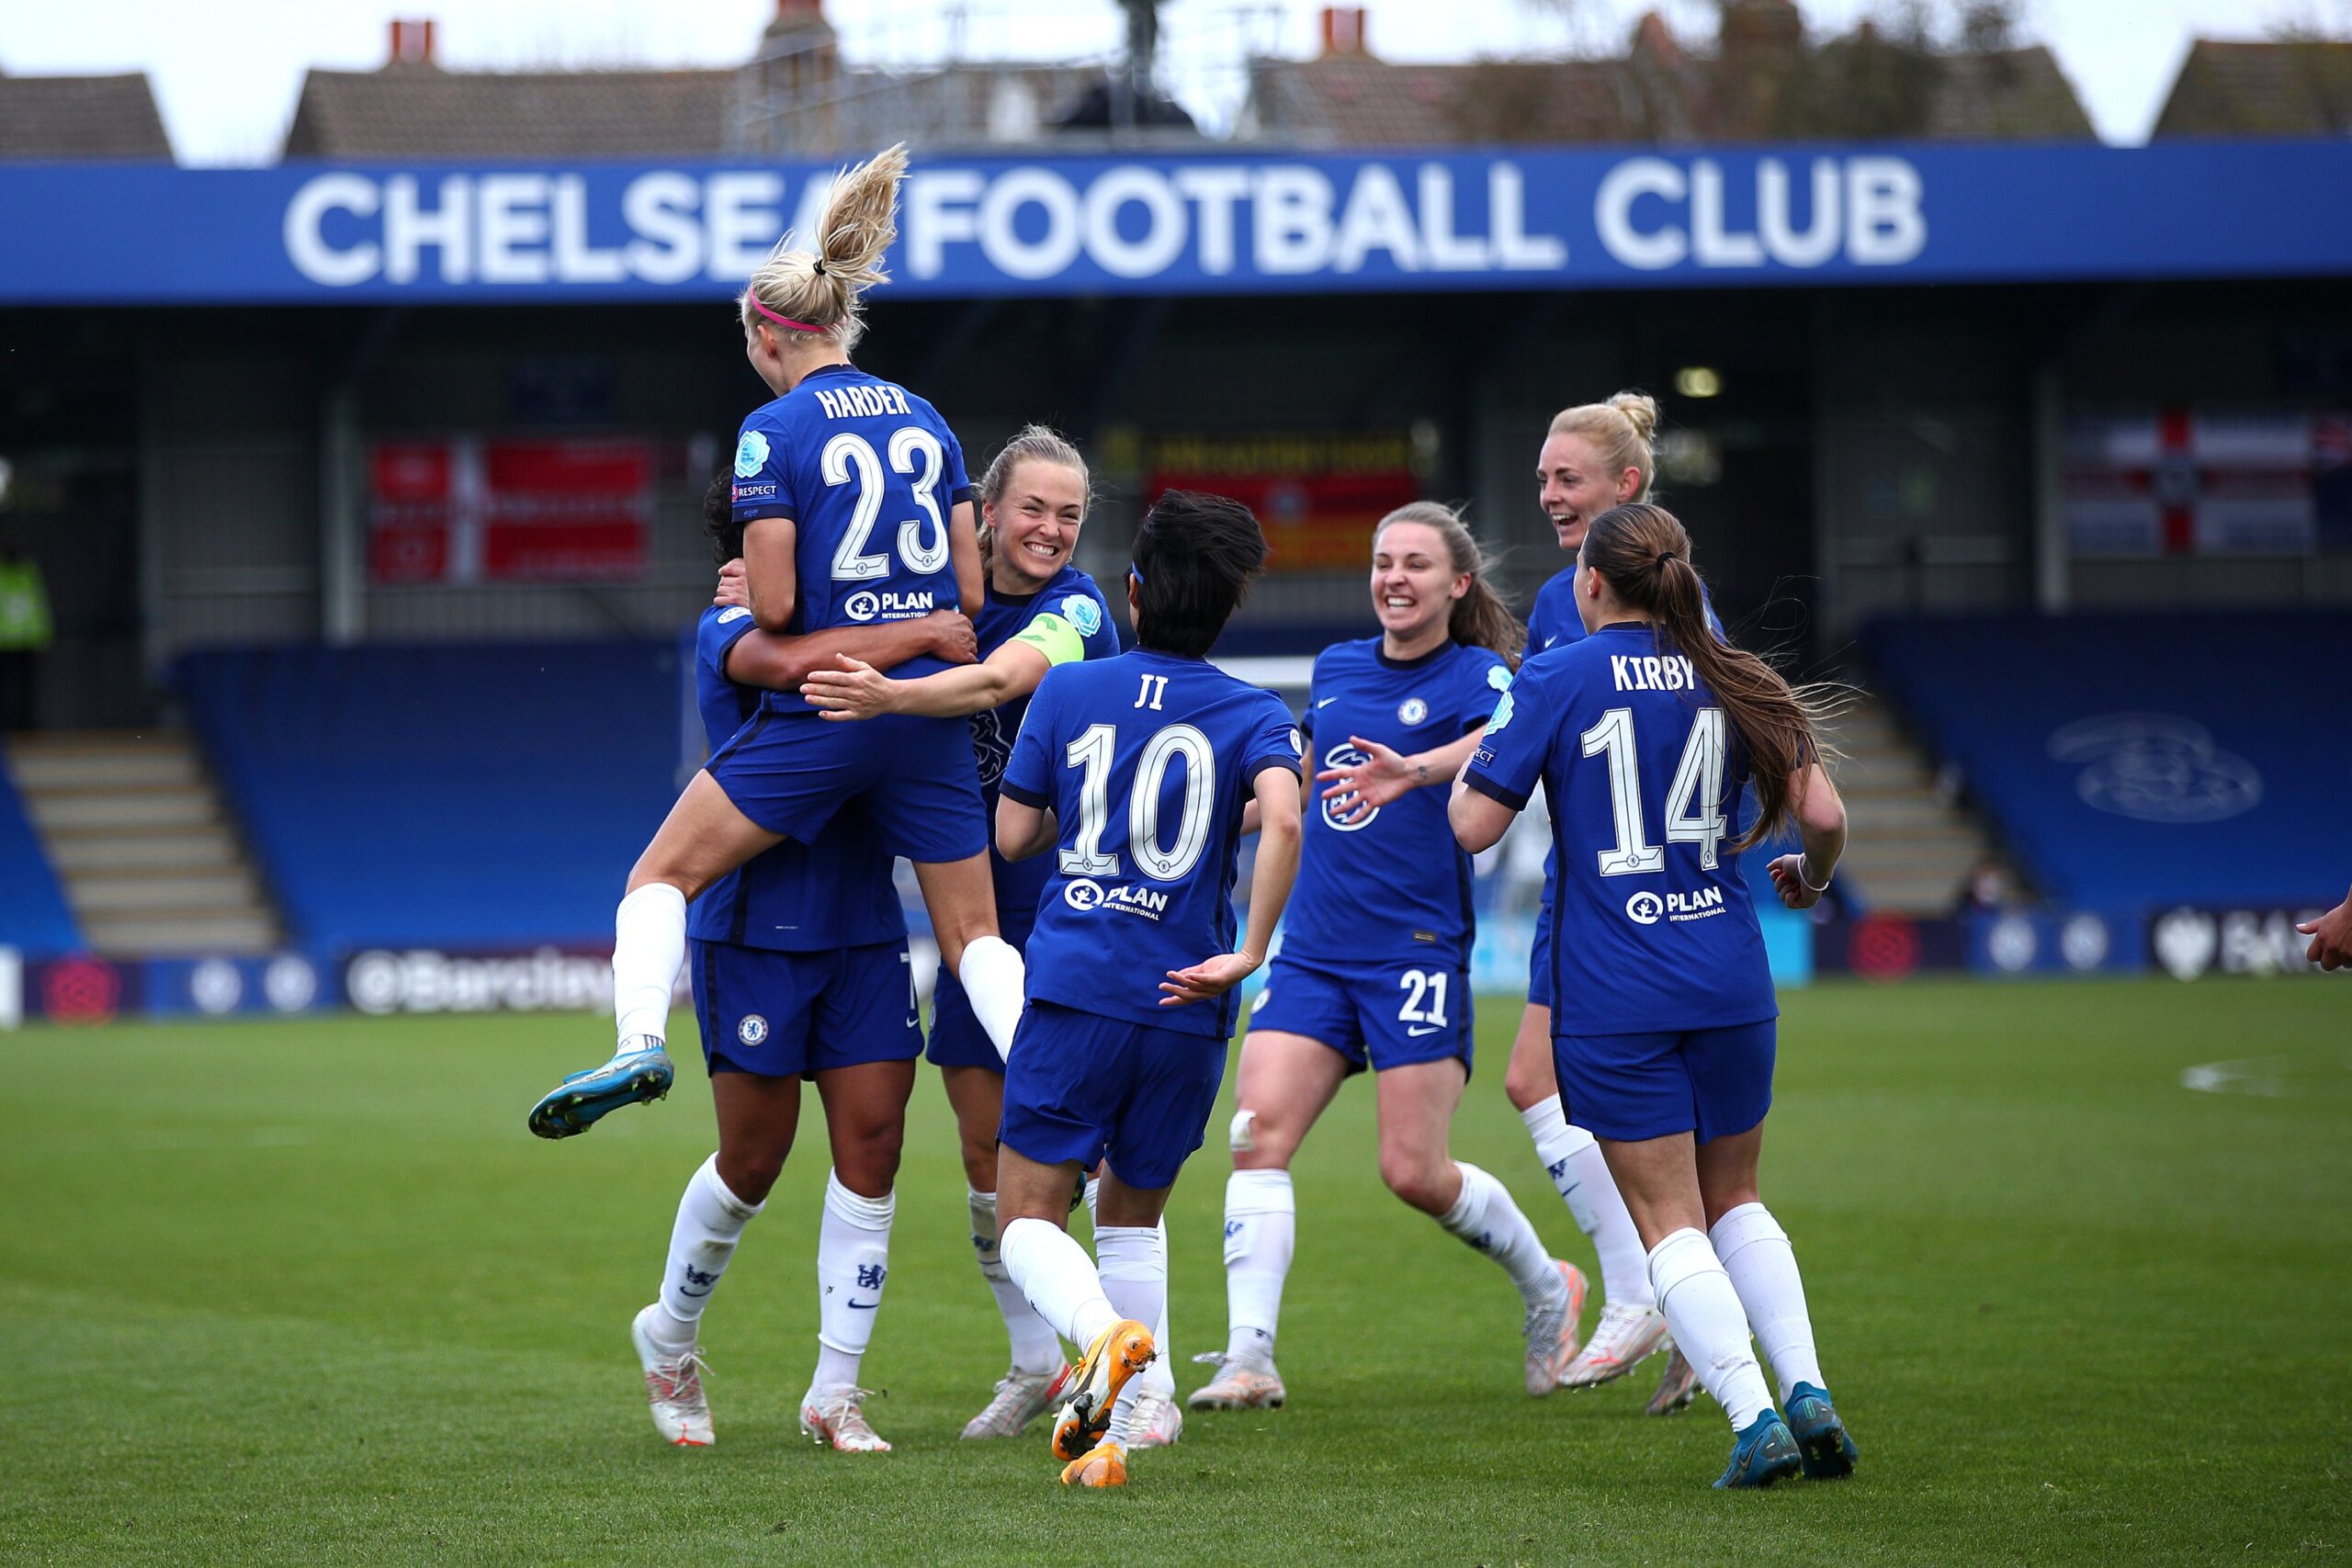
<point x="1055" y="638"/>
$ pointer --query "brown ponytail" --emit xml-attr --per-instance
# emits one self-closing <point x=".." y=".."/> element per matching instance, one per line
<point x="1479" y="618"/>
<point x="1643" y="553"/>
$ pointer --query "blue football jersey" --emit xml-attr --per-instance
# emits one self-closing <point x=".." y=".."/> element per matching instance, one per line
<point x="870" y="474"/>
<point x="795" y="897"/>
<point x="1652" y="928"/>
<point x="1147" y="761"/>
<point x="1383" y="890"/>
<point x="1552" y="620"/>
<point x="1074" y="597"/>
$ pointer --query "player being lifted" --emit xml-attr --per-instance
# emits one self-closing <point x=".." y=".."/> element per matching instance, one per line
<point x="1041" y="610"/>
<point x="1375" y="969"/>
<point x="800" y="967"/>
<point x="856" y="511"/>
<point x="1146" y="764"/>
<point x="1642" y="736"/>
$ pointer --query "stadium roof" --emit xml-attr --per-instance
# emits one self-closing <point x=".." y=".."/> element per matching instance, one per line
<point x="80" y="117"/>
<point x="2261" y="89"/>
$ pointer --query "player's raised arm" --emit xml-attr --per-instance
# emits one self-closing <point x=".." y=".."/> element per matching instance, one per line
<point x="853" y="689"/>
<point x="770" y="572"/>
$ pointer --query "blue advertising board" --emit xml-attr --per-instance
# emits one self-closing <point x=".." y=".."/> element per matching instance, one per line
<point x="1251" y="221"/>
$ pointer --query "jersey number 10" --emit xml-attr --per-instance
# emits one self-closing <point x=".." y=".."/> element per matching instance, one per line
<point x="1093" y="752"/>
<point x="914" y="451"/>
<point x="1698" y="781"/>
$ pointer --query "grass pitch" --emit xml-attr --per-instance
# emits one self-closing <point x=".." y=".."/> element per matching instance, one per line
<point x="306" y="1293"/>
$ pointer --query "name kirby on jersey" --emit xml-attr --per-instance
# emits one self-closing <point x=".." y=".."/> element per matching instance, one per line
<point x="1666" y="672"/>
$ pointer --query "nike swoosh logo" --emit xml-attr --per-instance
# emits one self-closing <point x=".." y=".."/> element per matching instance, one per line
<point x="1425" y="1029"/>
<point x="865" y="1306"/>
<point x="1327" y="702"/>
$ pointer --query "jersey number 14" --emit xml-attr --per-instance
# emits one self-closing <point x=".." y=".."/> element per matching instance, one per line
<point x="1698" y="782"/>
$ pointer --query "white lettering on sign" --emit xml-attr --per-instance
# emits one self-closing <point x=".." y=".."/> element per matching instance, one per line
<point x="1871" y="209"/>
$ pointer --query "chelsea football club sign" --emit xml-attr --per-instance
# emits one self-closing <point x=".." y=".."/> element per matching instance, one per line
<point x="1238" y="220"/>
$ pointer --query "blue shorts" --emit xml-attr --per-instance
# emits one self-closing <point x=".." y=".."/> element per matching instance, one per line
<point x="1377" y="1015"/>
<point x="956" y="1038"/>
<point x="1627" y="1087"/>
<point x="780" y="1015"/>
<point x="789" y="772"/>
<point x="1080" y="1087"/>
<point x="1539" y="957"/>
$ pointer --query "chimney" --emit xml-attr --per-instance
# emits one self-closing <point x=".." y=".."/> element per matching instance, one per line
<point x="412" y="42"/>
<point x="791" y="14"/>
<point x="1343" y="30"/>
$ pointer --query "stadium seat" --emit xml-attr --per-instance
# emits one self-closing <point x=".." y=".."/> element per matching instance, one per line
<point x="448" y="796"/>
<point x="34" y="917"/>
<point x="2131" y="760"/>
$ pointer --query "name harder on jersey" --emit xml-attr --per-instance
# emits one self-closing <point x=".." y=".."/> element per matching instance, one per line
<point x="861" y="402"/>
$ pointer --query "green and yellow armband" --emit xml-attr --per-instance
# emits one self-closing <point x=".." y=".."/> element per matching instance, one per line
<point x="1055" y="638"/>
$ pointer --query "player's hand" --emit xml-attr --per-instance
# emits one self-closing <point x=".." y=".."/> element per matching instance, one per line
<point x="2331" y="937"/>
<point x="853" y="689"/>
<point x="1363" y="788"/>
<point x="1209" y="979"/>
<point x="952" y="637"/>
<point x="734" y="587"/>
<point x="1788" y="881"/>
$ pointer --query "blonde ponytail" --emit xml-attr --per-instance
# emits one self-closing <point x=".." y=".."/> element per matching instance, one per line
<point x="1623" y="431"/>
<point x="819" y="293"/>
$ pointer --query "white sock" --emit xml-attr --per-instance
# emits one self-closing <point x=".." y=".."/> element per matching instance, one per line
<point x="994" y="978"/>
<point x="1059" y="1279"/>
<point x="1260" y="1233"/>
<point x="1135" y="1278"/>
<point x="1035" y="1346"/>
<point x="1575" y="1164"/>
<point x="1160" y="1375"/>
<point x="852" y="1263"/>
<point x="1486" y="1218"/>
<point x="711" y="1221"/>
<point x="1763" y="1269"/>
<point x="1703" y="1311"/>
<point x="648" y="949"/>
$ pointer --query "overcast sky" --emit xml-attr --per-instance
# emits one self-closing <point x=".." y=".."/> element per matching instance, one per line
<point x="226" y="71"/>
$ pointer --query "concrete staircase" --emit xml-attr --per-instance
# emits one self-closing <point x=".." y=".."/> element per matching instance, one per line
<point x="149" y="860"/>
<point x="1907" y="848"/>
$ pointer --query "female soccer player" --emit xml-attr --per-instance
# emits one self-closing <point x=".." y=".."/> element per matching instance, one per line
<point x="1375" y="969"/>
<point x="856" y="511"/>
<point x="800" y="968"/>
<point x="1146" y="763"/>
<point x="1040" y="610"/>
<point x="1642" y="736"/>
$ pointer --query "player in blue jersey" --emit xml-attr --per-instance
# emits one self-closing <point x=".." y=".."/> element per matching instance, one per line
<point x="1136" y="771"/>
<point x="1595" y="455"/>
<point x="1374" y="968"/>
<point x="800" y="968"/>
<point x="1041" y="610"/>
<point x="1642" y="736"/>
<point x="856" y="511"/>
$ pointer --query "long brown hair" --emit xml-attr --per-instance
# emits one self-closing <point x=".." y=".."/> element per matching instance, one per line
<point x="1643" y="554"/>
<point x="1479" y="618"/>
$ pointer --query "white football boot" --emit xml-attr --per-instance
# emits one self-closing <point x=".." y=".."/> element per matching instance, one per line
<point x="1240" y="1385"/>
<point x="1550" y="1332"/>
<point x="835" y="1418"/>
<point x="1021" y="1397"/>
<point x="1157" y="1421"/>
<point x="674" y="1387"/>
<point x="1627" y="1335"/>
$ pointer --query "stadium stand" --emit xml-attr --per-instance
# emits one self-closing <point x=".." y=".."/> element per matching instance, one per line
<point x="448" y="796"/>
<point x="2131" y="759"/>
<point x="33" y="916"/>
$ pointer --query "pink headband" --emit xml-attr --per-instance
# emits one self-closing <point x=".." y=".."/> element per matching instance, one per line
<point x="783" y="321"/>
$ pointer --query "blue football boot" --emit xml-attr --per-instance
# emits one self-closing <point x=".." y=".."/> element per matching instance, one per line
<point x="1766" y="1452"/>
<point x="1821" y="1437"/>
<point x="639" y="1071"/>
